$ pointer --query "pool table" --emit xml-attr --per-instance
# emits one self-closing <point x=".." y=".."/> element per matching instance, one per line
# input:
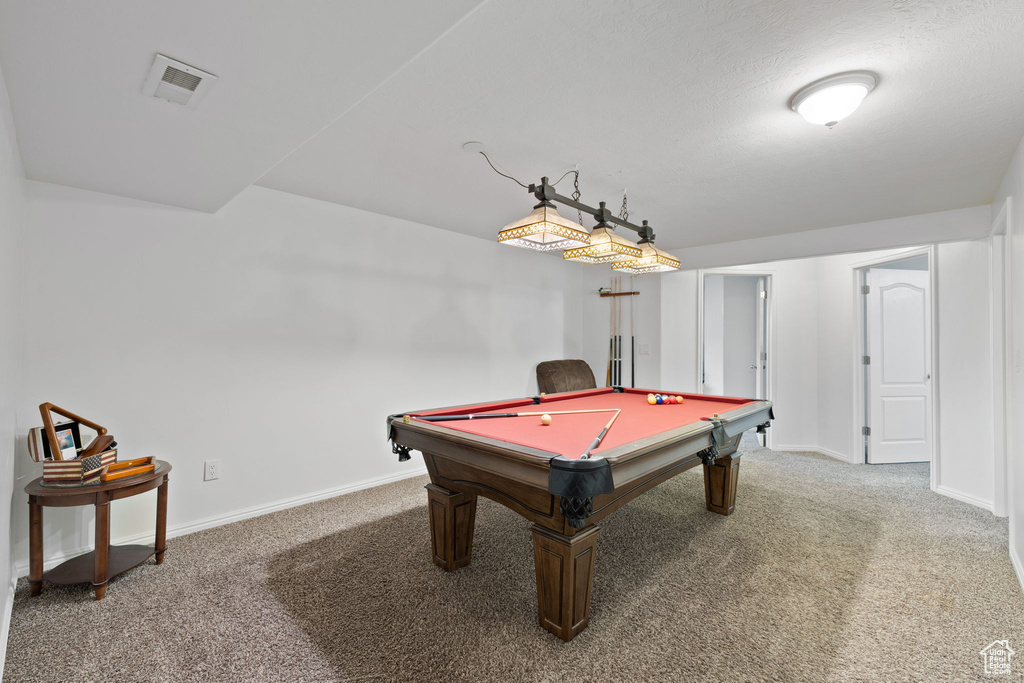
<point x="537" y="470"/>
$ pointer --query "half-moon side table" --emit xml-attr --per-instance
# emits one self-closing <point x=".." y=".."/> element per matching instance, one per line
<point x="105" y="561"/>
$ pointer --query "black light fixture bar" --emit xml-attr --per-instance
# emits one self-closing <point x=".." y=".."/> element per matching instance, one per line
<point x="546" y="192"/>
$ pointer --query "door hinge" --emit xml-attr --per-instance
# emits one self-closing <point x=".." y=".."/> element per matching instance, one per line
<point x="764" y="294"/>
<point x="866" y="360"/>
<point x="865" y="289"/>
<point x="764" y="357"/>
<point x="866" y="431"/>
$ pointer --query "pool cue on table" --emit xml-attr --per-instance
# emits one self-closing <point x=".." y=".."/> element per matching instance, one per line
<point x="597" y="441"/>
<point x="481" y="416"/>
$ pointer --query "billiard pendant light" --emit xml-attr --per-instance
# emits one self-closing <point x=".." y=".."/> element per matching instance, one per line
<point x="544" y="230"/>
<point x="605" y="246"/>
<point x="654" y="260"/>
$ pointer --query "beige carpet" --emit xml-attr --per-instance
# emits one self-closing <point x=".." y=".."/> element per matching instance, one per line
<point x="826" y="572"/>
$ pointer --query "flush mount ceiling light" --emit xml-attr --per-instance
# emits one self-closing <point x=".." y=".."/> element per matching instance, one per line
<point x="830" y="100"/>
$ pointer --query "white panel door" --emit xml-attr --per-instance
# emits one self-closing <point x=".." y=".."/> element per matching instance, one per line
<point x="899" y="384"/>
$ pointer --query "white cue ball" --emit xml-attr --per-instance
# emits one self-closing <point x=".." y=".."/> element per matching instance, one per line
<point x="545" y="420"/>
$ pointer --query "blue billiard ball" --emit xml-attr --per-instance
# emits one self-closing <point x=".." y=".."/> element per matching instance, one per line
<point x="660" y="400"/>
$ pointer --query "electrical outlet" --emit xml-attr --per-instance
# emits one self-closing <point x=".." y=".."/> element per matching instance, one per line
<point x="645" y="349"/>
<point x="211" y="470"/>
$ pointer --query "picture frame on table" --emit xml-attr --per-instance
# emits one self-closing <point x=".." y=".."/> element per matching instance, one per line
<point x="69" y="438"/>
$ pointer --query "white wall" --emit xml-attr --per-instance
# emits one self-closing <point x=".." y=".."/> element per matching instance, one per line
<point x="275" y="335"/>
<point x="965" y="373"/>
<point x="793" y="343"/>
<point x="679" y="338"/>
<point x="713" y="366"/>
<point x="815" y="346"/>
<point x="1012" y="188"/>
<point x="596" y="317"/>
<point x="942" y="226"/>
<point x="12" y="214"/>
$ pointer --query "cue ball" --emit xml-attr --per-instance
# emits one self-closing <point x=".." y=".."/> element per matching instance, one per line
<point x="545" y="420"/>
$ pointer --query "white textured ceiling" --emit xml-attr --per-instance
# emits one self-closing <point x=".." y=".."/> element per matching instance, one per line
<point x="75" y="70"/>
<point x="683" y="103"/>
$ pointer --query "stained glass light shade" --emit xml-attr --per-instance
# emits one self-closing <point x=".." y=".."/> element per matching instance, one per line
<point x="544" y="230"/>
<point x="605" y="247"/>
<point x="654" y="260"/>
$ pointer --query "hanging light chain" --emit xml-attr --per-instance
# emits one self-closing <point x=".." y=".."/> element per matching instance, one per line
<point x="576" y="192"/>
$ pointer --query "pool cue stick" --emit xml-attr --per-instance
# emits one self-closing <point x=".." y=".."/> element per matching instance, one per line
<point x="482" y="416"/>
<point x="632" y="336"/>
<point x="611" y="342"/>
<point x="616" y="374"/>
<point x="597" y="441"/>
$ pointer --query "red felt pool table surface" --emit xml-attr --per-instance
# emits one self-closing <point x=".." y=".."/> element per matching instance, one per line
<point x="570" y="435"/>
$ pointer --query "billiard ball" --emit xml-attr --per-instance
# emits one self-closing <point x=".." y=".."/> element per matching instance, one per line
<point x="659" y="400"/>
<point x="652" y="399"/>
<point x="680" y="398"/>
<point x="545" y="419"/>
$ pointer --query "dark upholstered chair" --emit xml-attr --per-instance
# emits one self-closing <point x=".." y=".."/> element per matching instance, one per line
<point x="556" y="376"/>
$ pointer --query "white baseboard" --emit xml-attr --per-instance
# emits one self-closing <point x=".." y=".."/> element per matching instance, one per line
<point x="1018" y="566"/>
<point x="814" y="449"/>
<point x="220" y="520"/>
<point x="5" y="625"/>
<point x="963" y="497"/>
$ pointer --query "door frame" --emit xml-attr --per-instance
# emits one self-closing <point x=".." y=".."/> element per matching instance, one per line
<point x="999" y="317"/>
<point x="860" y="378"/>
<point x="769" y="379"/>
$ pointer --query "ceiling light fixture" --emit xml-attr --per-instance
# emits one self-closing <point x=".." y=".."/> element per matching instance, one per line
<point x="653" y="260"/>
<point x="546" y="230"/>
<point x="830" y="100"/>
<point x="605" y="246"/>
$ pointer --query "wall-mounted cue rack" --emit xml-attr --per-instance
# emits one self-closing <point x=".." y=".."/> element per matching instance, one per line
<point x="614" y="377"/>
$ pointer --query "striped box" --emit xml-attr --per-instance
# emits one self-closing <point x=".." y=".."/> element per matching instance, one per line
<point x="79" y="470"/>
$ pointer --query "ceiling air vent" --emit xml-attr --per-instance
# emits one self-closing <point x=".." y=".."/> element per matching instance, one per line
<point x="177" y="82"/>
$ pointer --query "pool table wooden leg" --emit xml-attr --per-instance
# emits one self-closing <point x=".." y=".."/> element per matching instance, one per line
<point x="452" y="518"/>
<point x="720" y="484"/>
<point x="565" y="576"/>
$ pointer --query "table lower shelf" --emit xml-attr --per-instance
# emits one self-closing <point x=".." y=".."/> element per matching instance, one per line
<point x="81" y="569"/>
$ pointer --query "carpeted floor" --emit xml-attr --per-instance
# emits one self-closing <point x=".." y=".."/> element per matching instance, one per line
<point x="826" y="572"/>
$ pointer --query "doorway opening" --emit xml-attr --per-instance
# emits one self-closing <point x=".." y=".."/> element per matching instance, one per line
<point x="896" y="361"/>
<point x="733" y="357"/>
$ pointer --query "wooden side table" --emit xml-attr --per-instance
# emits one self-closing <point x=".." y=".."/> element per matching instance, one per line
<point x="105" y="561"/>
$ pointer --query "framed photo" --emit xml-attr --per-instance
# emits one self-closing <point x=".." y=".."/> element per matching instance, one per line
<point x="69" y="440"/>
